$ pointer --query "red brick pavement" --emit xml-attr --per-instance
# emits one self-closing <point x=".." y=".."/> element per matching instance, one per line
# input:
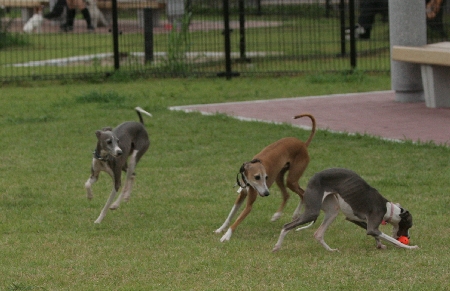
<point x="373" y="113"/>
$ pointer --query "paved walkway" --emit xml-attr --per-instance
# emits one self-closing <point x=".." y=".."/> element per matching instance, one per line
<point x="373" y="113"/>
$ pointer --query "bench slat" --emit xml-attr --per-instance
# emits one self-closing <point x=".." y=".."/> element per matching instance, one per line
<point x="432" y="54"/>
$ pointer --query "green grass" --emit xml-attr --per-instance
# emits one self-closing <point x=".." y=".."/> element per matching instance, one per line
<point x="163" y="239"/>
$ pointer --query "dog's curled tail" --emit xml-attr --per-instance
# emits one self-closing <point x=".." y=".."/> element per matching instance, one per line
<point x="313" y="129"/>
<point x="139" y="110"/>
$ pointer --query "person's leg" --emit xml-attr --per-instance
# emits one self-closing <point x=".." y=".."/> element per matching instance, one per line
<point x="87" y="17"/>
<point x="68" y="25"/>
<point x="368" y="10"/>
<point x="57" y="10"/>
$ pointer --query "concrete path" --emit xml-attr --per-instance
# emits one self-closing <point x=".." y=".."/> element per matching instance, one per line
<point x="373" y="113"/>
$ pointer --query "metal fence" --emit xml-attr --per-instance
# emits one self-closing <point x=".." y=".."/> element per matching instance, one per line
<point x="198" y="38"/>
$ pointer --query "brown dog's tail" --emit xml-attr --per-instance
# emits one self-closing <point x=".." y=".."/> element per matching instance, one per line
<point x="313" y="130"/>
<point x="139" y="110"/>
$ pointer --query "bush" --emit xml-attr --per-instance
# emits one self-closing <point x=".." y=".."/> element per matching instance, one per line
<point x="8" y="39"/>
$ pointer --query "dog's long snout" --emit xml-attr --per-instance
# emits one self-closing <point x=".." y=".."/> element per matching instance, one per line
<point x="263" y="192"/>
<point x="119" y="153"/>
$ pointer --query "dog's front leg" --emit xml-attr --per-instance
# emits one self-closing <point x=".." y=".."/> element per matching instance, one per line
<point x="250" y="200"/>
<point x="396" y="242"/>
<point x="241" y="197"/>
<point x="95" y="171"/>
<point x="106" y="207"/>
<point x="130" y="176"/>
<point x="88" y="186"/>
<point x="277" y="246"/>
<point x="116" y="186"/>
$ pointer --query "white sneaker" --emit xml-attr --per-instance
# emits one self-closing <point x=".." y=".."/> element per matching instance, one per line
<point x="360" y="32"/>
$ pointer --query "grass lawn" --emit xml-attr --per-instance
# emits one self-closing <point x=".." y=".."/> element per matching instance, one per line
<point x="163" y="239"/>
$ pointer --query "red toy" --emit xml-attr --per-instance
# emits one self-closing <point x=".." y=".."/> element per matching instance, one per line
<point x="404" y="240"/>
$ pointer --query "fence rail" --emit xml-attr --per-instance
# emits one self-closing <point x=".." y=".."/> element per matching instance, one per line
<point x="200" y="37"/>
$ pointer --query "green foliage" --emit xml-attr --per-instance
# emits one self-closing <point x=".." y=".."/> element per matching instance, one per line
<point x="178" y="45"/>
<point x="8" y="39"/>
<point x="162" y="239"/>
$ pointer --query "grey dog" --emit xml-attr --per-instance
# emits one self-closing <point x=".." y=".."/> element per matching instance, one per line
<point x="118" y="149"/>
<point x="338" y="189"/>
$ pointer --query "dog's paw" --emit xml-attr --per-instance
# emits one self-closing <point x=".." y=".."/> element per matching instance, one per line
<point x="276" y="216"/>
<point x="114" y="206"/>
<point x="227" y="235"/>
<point x="89" y="195"/>
<point x="219" y="230"/>
<point x="381" y="246"/>
<point x="276" y="248"/>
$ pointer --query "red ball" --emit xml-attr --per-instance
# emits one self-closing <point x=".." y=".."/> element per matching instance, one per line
<point x="404" y="240"/>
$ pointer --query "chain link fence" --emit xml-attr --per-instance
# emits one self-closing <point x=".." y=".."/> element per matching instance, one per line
<point x="195" y="37"/>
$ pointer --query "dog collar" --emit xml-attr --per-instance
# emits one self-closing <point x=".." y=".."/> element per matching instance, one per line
<point x="245" y="183"/>
<point x="99" y="157"/>
<point x="390" y="215"/>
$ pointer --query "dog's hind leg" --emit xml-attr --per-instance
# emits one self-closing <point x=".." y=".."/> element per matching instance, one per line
<point x="130" y="177"/>
<point x="240" y="199"/>
<point x="312" y="211"/>
<point x="285" y="195"/>
<point x="292" y="182"/>
<point x="305" y="217"/>
<point x="331" y="208"/>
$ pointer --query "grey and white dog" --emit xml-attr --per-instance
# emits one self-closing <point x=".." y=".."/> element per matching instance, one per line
<point x="334" y="190"/>
<point x="118" y="149"/>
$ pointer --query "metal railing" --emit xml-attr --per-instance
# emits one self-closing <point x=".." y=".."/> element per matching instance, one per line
<point x="204" y="38"/>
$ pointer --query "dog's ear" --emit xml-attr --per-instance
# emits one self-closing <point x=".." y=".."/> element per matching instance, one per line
<point x="108" y="128"/>
<point x="98" y="133"/>
<point x="403" y="213"/>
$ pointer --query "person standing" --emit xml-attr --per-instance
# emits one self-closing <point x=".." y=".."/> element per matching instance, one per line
<point x="368" y="10"/>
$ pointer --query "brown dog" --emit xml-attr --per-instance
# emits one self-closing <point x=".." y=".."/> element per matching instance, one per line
<point x="270" y="165"/>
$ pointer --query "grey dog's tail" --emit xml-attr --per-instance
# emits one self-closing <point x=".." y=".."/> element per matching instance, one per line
<point x="139" y="110"/>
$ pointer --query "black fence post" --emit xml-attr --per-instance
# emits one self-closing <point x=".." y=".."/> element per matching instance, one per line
<point x="351" y="5"/>
<point x="148" y="34"/>
<point x="327" y="8"/>
<point x="115" y="32"/>
<point x="342" y="19"/>
<point x="242" y="44"/>
<point x="227" y="31"/>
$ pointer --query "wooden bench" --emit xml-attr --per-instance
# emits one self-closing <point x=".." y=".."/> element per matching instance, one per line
<point x="435" y="68"/>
